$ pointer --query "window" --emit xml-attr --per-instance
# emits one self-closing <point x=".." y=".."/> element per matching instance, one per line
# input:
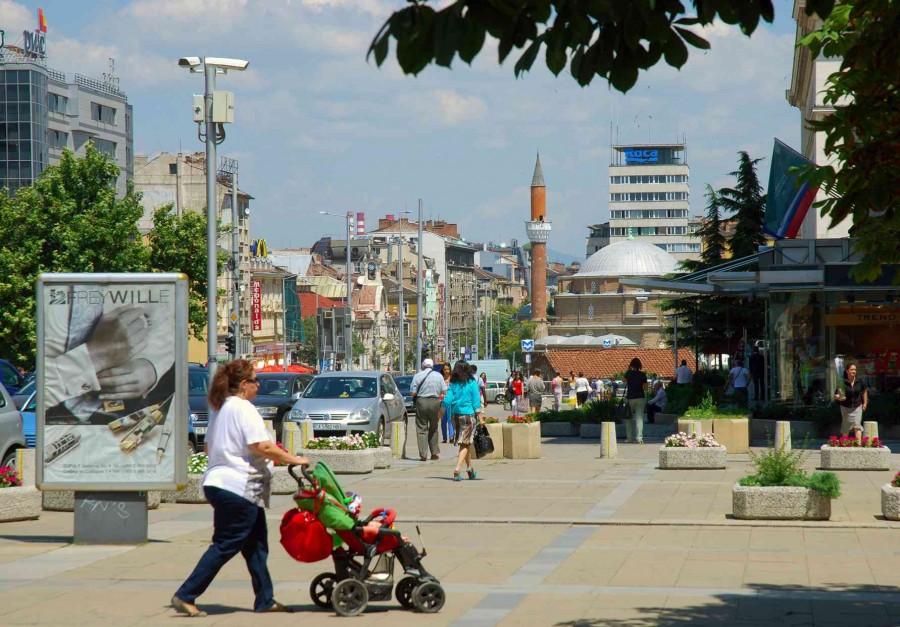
<point x="624" y="214"/>
<point x="59" y="103"/>
<point x="590" y="312"/>
<point x="106" y="147"/>
<point x="647" y="196"/>
<point x="58" y="139"/>
<point x="173" y="168"/>
<point x="648" y="179"/>
<point x="102" y="113"/>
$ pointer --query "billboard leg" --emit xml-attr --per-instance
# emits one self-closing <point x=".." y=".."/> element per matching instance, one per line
<point x="110" y="517"/>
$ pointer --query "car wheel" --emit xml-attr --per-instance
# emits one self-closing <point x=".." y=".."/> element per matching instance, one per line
<point x="10" y="459"/>
<point x="500" y="399"/>
<point x="191" y="447"/>
<point x="380" y="430"/>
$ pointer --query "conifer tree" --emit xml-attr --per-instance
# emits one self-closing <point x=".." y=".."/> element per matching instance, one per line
<point x="746" y="202"/>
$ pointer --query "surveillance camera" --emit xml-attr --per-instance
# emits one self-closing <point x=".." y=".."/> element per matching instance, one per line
<point x="189" y="62"/>
<point x="227" y="64"/>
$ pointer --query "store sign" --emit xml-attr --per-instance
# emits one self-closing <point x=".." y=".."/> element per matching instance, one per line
<point x="641" y="155"/>
<point x="256" y="304"/>
<point x="862" y="319"/>
<point x="35" y="43"/>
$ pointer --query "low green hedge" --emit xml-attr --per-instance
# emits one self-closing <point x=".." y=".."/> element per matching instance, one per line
<point x="591" y="412"/>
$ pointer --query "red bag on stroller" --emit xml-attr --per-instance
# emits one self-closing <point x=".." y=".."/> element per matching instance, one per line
<point x="304" y="536"/>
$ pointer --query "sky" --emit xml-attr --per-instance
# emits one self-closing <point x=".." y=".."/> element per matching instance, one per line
<point x="318" y="127"/>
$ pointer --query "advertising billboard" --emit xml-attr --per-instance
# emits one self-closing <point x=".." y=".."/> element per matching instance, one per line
<point x="112" y="376"/>
<point x="256" y="304"/>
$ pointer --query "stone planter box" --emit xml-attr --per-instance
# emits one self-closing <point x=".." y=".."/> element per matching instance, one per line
<point x="283" y="482"/>
<point x="684" y="458"/>
<point x="64" y="500"/>
<point x="732" y="433"/>
<point x="890" y="502"/>
<point x="841" y="458"/>
<point x="521" y="441"/>
<point x="22" y="503"/>
<point x="495" y="430"/>
<point x="342" y="462"/>
<point x="560" y="430"/>
<point x="383" y="456"/>
<point x="779" y="503"/>
<point x="192" y="492"/>
<point x="706" y="426"/>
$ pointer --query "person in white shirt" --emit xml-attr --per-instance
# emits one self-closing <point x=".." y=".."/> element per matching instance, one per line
<point x="739" y="379"/>
<point x="683" y="374"/>
<point x="237" y="485"/>
<point x="658" y="403"/>
<point x="582" y="389"/>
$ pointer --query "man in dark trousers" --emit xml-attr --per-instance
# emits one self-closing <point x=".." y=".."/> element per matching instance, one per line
<point x="758" y="373"/>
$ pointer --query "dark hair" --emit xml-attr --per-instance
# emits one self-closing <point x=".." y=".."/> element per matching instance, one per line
<point x="447" y="366"/>
<point x="474" y="368"/>
<point x="537" y="372"/>
<point x="580" y="374"/>
<point x="227" y="381"/>
<point x="635" y="364"/>
<point x="684" y="362"/>
<point x="461" y="373"/>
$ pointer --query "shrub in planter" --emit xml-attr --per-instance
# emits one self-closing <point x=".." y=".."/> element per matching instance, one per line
<point x="9" y="477"/>
<point x="348" y="454"/>
<point x="890" y="499"/>
<point x="682" y="451"/>
<point x="781" y="489"/>
<point x="728" y="424"/>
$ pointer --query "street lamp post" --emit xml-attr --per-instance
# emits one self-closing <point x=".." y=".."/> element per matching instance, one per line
<point x="348" y="319"/>
<point x="210" y="66"/>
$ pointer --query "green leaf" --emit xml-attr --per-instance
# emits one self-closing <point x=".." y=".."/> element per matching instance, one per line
<point x="472" y="39"/>
<point x="676" y="52"/>
<point x="692" y="38"/>
<point x="623" y="77"/>
<point x="527" y="59"/>
<point x="380" y="48"/>
<point x="448" y="32"/>
<point x="556" y="50"/>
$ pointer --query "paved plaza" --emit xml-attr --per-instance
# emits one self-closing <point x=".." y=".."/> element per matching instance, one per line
<point x="566" y="540"/>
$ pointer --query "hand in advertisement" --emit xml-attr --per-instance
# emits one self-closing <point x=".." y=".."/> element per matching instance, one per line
<point x="119" y="336"/>
<point x="132" y="379"/>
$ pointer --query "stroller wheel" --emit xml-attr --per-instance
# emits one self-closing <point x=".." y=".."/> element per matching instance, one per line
<point x="404" y="591"/>
<point x="320" y="590"/>
<point x="349" y="597"/>
<point x="429" y="597"/>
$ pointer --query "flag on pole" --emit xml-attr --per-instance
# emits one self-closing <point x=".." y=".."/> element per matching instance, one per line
<point x="42" y="21"/>
<point x="788" y="199"/>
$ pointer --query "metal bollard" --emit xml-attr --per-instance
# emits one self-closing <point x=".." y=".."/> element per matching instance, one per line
<point x="783" y="435"/>
<point x="398" y="439"/>
<point x="608" y="447"/>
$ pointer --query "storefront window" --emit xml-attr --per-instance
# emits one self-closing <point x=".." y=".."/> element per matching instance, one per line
<point x="802" y="362"/>
<point x="866" y="332"/>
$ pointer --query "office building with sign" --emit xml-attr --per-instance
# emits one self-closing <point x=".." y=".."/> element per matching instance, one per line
<point x="648" y="200"/>
<point x="46" y="111"/>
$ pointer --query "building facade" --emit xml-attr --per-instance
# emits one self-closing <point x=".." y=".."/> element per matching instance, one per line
<point x="649" y="199"/>
<point x="46" y="112"/>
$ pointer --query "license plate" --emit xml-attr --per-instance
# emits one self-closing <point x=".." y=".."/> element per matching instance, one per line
<point x="199" y="430"/>
<point x="329" y="426"/>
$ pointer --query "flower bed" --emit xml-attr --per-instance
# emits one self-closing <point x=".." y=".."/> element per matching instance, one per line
<point x="342" y="461"/>
<point x="890" y="499"/>
<point x="685" y="452"/>
<point x="527" y="419"/>
<point x="781" y="490"/>
<point x="730" y="425"/>
<point x="844" y="453"/>
<point x="337" y="443"/>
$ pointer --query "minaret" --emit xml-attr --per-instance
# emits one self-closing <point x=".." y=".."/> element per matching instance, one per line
<point x="538" y="231"/>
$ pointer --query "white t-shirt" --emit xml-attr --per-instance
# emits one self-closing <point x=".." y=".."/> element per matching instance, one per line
<point x="582" y="385"/>
<point x="683" y="374"/>
<point x="740" y="377"/>
<point x="233" y="466"/>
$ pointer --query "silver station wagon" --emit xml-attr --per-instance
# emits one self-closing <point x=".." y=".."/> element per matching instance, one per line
<point x="346" y="402"/>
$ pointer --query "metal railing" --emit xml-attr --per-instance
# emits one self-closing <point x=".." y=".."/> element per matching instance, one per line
<point x="106" y="88"/>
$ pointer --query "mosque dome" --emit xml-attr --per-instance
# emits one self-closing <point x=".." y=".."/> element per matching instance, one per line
<point x="628" y="259"/>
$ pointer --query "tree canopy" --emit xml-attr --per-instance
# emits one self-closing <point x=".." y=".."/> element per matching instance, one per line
<point x="746" y="202"/>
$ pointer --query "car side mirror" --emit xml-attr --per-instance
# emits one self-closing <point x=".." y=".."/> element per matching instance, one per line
<point x="387" y="396"/>
<point x="295" y="395"/>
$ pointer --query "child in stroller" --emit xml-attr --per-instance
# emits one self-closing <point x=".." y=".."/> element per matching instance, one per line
<point x="363" y="551"/>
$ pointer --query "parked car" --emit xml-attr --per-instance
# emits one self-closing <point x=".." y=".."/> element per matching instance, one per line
<point x="198" y="419"/>
<point x="29" y="420"/>
<point x="494" y="392"/>
<point x="403" y="383"/>
<point x="11" y="436"/>
<point x="278" y="391"/>
<point x="24" y="393"/>
<point x="10" y="377"/>
<point x="345" y="402"/>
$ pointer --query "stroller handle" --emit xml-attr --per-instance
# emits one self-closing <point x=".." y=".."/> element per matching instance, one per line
<point x="304" y="468"/>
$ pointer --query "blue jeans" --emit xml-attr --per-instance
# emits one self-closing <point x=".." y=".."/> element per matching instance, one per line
<point x="447" y="426"/>
<point x="239" y="526"/>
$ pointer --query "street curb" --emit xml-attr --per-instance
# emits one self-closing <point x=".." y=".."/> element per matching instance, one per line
<point x="637" y="522"/>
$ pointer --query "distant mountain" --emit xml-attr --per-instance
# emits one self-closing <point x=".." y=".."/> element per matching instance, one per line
<point x="555" y="255"/>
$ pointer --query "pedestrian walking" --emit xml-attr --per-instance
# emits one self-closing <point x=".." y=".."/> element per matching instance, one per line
<point x="658" y="403"/>
<point x="448" y="431"/>
<point x="427" y="388"/>
<point x="237" y="485"/>
<point x="738" y="380"/>
<point x="582" y="389"/>
<point x="518" y="388"/>
<point x="758" y="374"/>
<point x="463" y="402"/>
<point x="683" y="374"/>
<point x="556" y="386"/>
<point x="535" y="391"/>
<point x="636" y="382"/>
<point x="853" y="402"/>
<point x="482" y="387"/>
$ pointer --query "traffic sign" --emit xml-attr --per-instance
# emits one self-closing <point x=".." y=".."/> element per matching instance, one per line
<point x="607" y="343"/>
<point x="527" y="346"/>
<point x="234" y="317"/>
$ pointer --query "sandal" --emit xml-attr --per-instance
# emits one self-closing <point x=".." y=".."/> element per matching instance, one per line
<point x="182" y="607"/>
<point x="472" y="474"/>
<point x="456" y="476"/>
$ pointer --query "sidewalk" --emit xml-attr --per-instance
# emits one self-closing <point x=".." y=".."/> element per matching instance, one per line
<point x="569" y="539"/>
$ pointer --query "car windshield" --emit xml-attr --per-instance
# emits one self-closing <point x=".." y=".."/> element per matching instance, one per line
<point x="197" y="382"/>
<point x="31" y="404"/>
<point x="274" y="386"/>
<point x="342" y="387"/>
<point x="28" y="389"/>
<point x="403" y="384"/>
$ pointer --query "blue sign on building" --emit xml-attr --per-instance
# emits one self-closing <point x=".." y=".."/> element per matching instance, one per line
<point x="641" y="155"/>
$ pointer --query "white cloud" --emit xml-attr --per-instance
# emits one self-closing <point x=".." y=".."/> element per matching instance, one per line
<point x="446" y="106"/>
<point x="16" y="18"/>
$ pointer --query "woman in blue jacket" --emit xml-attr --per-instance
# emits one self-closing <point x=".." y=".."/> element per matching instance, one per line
<point x="463" y="402"/>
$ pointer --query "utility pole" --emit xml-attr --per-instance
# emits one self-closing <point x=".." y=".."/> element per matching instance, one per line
<point x="419" y="329"/>
<point x="212" y="269"/>
<point x="235" y="264"/>
<point x="400" y="316"/>
<point x="348" y="320"/>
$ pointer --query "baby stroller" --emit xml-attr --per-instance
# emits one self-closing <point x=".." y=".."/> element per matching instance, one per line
<point x="363" y="553"/>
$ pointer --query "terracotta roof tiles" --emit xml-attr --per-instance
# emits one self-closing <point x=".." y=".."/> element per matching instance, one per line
<point x="601" y="363"/>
